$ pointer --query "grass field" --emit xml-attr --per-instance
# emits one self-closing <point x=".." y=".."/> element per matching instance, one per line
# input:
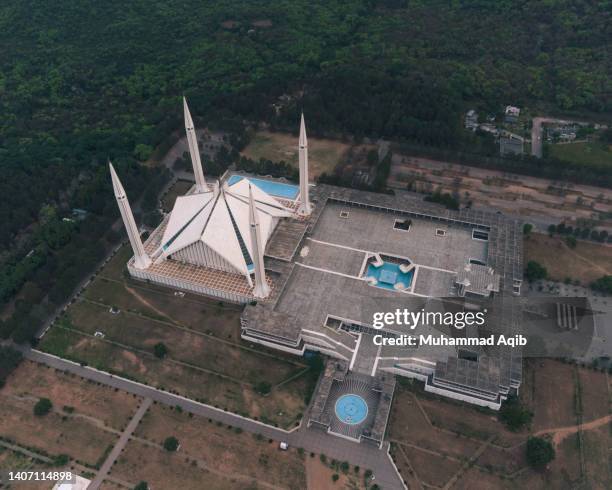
<point x="323" y="154"/>
<point x="586" y="262"/>
<point x="180" y="188"/>
<point x="433" y="438"/>
<point x="84" y="423"/>
<point x="588" y="153"/>
<point x="206" y="359"/>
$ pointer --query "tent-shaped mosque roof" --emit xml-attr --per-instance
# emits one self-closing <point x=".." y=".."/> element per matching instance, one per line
<point x="220" y="219"/>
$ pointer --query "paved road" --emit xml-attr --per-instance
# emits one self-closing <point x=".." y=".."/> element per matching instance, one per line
<point x="312" y="440"/>
<point x="536" y="132"/>
<point x="123" y="440"/>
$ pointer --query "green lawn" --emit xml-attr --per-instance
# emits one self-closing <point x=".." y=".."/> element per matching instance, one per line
<point x="324" y="154"/>
<point x="592" y="153"/>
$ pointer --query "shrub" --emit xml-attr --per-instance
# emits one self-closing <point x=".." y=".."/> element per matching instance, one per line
<point x="335" y="477"/>
<point x="540" y="452"/>
<point x="143" y="485"/>
<point x="9" y="360"/>
<point x="603" y="284"/>
<point x="514" y="415"/>
<point x="171" y="444"/>
<point x="535" y="271"/>
<point x="61" y="460"/>
<point x="42" y="407"/>
<point x="443" y="198"/>
<point x="160" y="350"/>
<point x="263" y="388"/>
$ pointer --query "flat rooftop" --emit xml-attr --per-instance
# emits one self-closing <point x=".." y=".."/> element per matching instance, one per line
<point x="372" y="230"/>
<point x="349" y="226"/>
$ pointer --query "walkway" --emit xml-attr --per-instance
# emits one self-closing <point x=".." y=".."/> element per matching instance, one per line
<point x="123" y="440"/>
<point x="310" y="439"/>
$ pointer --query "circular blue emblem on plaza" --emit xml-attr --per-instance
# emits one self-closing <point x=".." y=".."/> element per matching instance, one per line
<point x="351" y="409"/>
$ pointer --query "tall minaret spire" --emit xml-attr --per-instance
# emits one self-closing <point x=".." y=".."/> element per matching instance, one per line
<point x="261" y="290"/>
<point x="304" y="208"/>
<point x="194" y="150"/>
<point x="141" y="259"/>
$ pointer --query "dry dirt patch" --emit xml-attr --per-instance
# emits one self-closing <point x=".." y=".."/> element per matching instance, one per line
<point x="553" y="388"/>
<point x="163" y="470"/>
<point x="587" y="262"/>
<point x="468" y="421"/>
<point x="409" y="426"/>
<point x="432" y="469"/>
<point x="230" y="452"/>
<point x="319" y="477"/>
<point x="595" y="399"/>
<point x="114" y="408"/>
<point x="52" y="434"/>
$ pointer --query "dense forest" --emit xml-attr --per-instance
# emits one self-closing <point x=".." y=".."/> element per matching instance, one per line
<point x="82" y="82"/>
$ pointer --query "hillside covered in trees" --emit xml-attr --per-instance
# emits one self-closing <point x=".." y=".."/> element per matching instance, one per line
<point x="84" y="81"/>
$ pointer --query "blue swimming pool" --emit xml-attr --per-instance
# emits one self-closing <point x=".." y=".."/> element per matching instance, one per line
<point x="278" y="189"/>
<point x="351" y="409"/>
<point x="388" y="275"/>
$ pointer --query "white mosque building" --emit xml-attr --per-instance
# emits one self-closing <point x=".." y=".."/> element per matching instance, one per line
<point x="311" y="264"/>
<point x="214" y="239"/>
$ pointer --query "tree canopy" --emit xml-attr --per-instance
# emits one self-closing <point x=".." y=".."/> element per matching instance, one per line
<point x="535" y="271"/>
<point x="540" y="452"/>
<point x="9" y="360"/>
<point x="171" y="444"/>
<point x="82" y="82"/>
<point x="514" y="415"/>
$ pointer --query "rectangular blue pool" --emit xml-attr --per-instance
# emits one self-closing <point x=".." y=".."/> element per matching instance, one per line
<point x="388" y="275"/>
<point x="278" y="189"/>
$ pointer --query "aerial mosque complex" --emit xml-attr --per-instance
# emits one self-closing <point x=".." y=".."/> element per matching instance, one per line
<point x="214" y="239"/>
<point x="311" y="263"/>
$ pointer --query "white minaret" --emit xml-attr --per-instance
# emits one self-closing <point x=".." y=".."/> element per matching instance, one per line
<point x="304" y="208"/>
<point x="262" y="290"/>
<point x="194" y="151"/>
<point x="141" y="259"/>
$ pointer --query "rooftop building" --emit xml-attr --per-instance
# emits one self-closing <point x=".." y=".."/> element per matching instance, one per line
<point x="512" y="114"/>
<point x="471" y="120"/>
<point x="510" y="144"/>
